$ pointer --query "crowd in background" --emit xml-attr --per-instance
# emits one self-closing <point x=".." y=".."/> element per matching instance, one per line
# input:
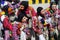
<point x="19" y="21"/>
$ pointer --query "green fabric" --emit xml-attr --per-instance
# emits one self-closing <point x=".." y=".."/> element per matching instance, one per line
<point x="6" y="13"/>
<point x="51" y="11"/>
<point x="59" y="36"/>
<point x="10" y="32"/>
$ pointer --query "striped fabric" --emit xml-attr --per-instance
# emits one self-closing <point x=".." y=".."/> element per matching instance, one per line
<point x="38" y="1"/>
<point x="14" y="32"/>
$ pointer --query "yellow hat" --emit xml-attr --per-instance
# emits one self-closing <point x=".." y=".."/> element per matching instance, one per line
<point x="45" y="23"/>
<point x="2" y="13"/>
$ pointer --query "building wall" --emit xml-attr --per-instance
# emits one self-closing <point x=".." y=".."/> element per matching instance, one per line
<point x="36" y="3"/>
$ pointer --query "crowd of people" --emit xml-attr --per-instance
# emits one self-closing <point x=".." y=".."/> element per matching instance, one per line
<point x="19" y="21"/>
